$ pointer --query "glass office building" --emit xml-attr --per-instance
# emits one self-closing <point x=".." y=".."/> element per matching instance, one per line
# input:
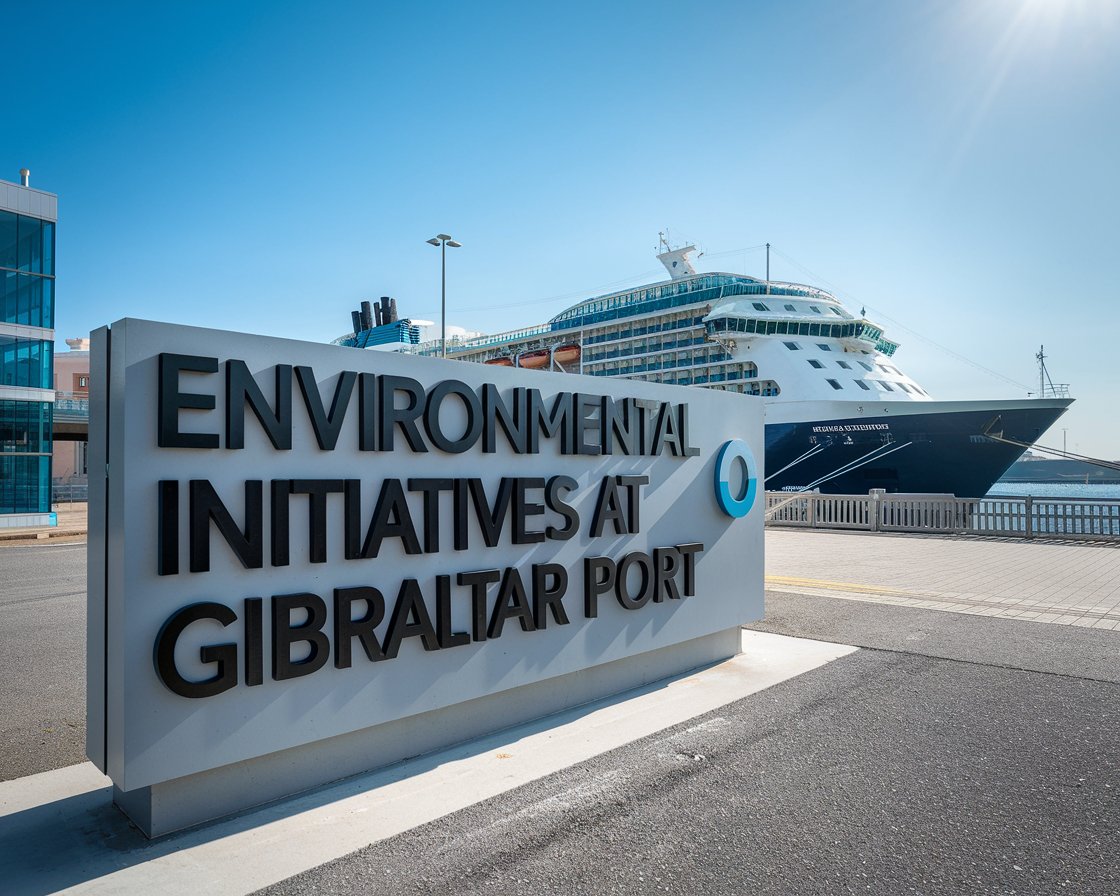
<point x="27" y="240"/>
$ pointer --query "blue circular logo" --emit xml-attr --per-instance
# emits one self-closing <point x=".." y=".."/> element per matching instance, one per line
<point x="733" y="506"/>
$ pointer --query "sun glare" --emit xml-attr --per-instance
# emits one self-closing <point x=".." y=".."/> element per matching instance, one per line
<point x="1074" y="12"/>
<point x="1029" y="32"/>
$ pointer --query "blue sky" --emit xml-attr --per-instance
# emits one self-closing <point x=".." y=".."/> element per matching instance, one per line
<point x="264" y="167"/>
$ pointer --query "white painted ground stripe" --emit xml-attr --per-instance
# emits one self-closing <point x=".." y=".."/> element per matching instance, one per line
<point x="1023" y="611"/>
<point x="76" y="847"/>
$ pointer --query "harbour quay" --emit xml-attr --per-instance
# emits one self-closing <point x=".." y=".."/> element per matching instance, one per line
<point x="1056" y="581"/>
<point x="928" y="712"/>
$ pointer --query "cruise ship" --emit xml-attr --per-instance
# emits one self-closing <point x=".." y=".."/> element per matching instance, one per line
<point x="841" y="416"/>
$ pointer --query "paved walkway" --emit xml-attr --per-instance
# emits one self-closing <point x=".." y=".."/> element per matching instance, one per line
<point x="1056" y="583"/>
<point x="72" y="520"/>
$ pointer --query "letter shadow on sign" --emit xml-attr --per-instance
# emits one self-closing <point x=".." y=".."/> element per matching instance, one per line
<point x="215" y="735"/>
<point x="84" y="837"/>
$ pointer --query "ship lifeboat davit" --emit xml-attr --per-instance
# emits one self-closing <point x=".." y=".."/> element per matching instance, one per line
<point x="501" y="362"/>
<point x="567" y="354"/>
<point x="533" y="360"/>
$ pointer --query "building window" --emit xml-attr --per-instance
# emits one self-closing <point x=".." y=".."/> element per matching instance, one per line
<point x="824" y="347"/>
<point x="863" y="385"/>
<point x="26" y="362"/>
<point x="83" y="382"/>
<point x="792" y="346"/>
<point x="834" y="384"/>
<point x="815" y="363"/>
<point x="845" y="365"/>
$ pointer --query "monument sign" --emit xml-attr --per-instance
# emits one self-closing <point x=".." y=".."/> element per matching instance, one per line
<point x="307" y="561"/>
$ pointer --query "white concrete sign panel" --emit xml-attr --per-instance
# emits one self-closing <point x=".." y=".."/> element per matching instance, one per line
<point x="295" y="542"/>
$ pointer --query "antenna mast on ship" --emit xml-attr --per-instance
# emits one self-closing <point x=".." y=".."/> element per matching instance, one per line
<point x="1046" y="387"/>
<point x="676" y="261"/>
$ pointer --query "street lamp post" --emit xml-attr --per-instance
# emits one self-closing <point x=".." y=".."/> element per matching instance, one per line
<point x="443" y="240"/>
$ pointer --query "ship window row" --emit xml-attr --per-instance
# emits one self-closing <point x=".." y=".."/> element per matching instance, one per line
<point x="819" y="364"/>
<point x="752" y="387"/>
<point x="760" y="306"/>
<point x="700" y="289"/>
<point x="642" y="302"/>
<point x="790" y="328"/>
<point x="717" y="372"/>
<point x="883" y="386"/>
<point x="645" y="347"/>
<point x="26" y="244"/>
<point x="661" y="325"/>
<point x="684" y="359"/>
<point x="762" y="387"/>
<point x="25" y="362"/>
<point x="26" y="299"/>
<point x="25" y="426"/>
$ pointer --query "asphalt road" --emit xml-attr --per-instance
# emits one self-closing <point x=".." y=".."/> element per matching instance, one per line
<point x="42" y="658"/>
<point x="957" y="754"/>
<point x="954" y="754"/>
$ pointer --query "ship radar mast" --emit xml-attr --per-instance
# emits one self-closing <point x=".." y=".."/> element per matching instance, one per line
<point x="1047" y="388"/>
<point x="676" y="261"/>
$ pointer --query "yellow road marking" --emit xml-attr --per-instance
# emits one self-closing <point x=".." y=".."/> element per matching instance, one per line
<point x="839" y="586"/>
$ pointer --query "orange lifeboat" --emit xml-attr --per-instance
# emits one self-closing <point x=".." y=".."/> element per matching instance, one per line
<point x="501" y="362"/>
<point x="567" y="354"/>
<point x="533" y="360"/>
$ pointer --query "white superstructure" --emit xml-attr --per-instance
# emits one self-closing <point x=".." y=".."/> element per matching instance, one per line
<point x="840" y="414"/>
<point x="782" y="341"/>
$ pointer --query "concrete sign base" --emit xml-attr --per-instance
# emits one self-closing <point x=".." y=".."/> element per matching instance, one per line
<point x="194" y="799"/>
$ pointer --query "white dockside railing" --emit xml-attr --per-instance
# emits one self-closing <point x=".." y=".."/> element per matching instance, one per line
<point x="1023" y="517"/>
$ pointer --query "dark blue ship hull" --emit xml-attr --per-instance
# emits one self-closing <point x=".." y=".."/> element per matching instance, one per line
<point x="958" y="448"/>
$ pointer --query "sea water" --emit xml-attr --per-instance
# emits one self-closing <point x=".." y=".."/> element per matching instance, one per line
<point x="1096" y="491"/>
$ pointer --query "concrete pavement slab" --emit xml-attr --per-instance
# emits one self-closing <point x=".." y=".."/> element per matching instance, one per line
<point x="57" y="829"/>
<point x="964" y="575"/>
